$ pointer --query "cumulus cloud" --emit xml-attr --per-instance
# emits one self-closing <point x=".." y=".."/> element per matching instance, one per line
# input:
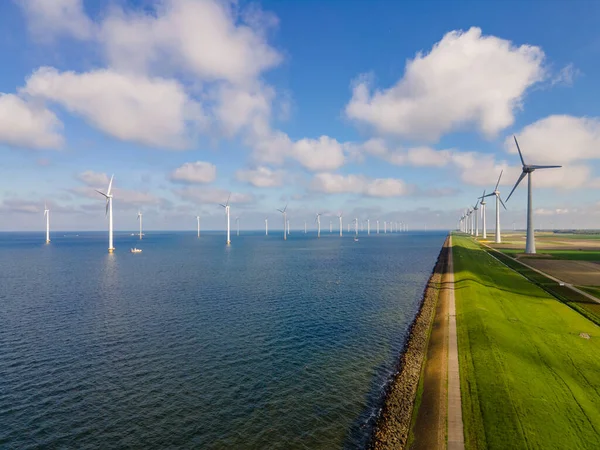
<point x="50" y="18"/>
<point x="213" y="195"/>
<point x="208" y="38"/>
<point x="261" y="177"/>
<point x="127" y="197"/>
<point x="324" y="153"/>
<point x="467" y="79"/>
<point x="151" y="111"/>
<point x="94" y="179"/>
<point x="331" y="183"/>
<point x="558" y="139"/>
<point x="195" y="172"/>
<point x="28" y="124"/>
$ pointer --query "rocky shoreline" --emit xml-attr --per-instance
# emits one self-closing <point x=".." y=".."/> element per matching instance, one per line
<point x="393" y="425"/>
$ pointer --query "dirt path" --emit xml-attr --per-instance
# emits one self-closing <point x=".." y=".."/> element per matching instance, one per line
<point x="429" y="429"/>
<point x="456" y="438"/>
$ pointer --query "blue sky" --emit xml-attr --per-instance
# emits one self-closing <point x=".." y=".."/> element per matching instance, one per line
<point x="383" y="110"/>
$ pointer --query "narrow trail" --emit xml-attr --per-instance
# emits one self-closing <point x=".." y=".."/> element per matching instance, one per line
<point x="456" y="438"/>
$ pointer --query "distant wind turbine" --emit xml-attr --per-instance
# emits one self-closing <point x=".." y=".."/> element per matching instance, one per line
<point x="330" y="227"/>
<point x="476" y="214"/>
<point x="266" y="226"/>
<point x="305" y="227"/>
<point x="498" y="236"/>
<point x="47" y="216"/>
<point x="237" y="222"/>
<point x="528" y="169"/>
<point x="341" y="227"/>
<point x="377" y="226"/>
<point x="384" y="227"/>
<point x="108" y="212"/>
<point x="227" y="212"/>
<point x="483" y="216"/>
<point x="368" y="226"/>
<point x="318" y="220"/>
<point x="198" y="222"/>
<point x="139" y="217"/>
<point x="285" y="222"/>
<point x="356" y="226"/>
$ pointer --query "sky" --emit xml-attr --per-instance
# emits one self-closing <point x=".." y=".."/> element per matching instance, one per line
<point x="379" y="110"/>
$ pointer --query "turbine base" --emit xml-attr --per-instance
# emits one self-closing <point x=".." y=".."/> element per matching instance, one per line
<point x="111" y="250"/>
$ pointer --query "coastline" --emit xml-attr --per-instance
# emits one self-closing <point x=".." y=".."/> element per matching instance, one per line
<point x="393" y="425"/>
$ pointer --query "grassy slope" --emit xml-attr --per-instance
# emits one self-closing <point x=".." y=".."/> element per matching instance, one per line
<point x="527" y="379"/>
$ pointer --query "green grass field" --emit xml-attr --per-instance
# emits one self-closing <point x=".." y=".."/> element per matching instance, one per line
<point x="528" y="380"/>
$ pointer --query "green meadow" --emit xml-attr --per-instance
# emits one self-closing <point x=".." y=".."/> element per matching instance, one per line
<point x="529" y="376"/>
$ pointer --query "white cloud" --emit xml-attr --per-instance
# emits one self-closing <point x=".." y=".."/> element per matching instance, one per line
<point x="28" y="124"/>
<point x="151" y="111"/>
<point x="195" y="172"/>
<point x="206" y="37"/>
<point x="261" y="177"/>
<point x="324" y="153"/>
<point x="466" y="79"/>
<point x="566" y="75"/>
<point x="213" y="195"/>
<point x="331" y="183"/>
<point x="94" y="179"/>
<point x="239" y="107"/>
<point x="49" y="18"/>
<point x="558" y="139"/>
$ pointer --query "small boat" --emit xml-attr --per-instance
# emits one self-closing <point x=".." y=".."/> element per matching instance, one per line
<point x="355" y="239"/>
<point x="135" y="250"/>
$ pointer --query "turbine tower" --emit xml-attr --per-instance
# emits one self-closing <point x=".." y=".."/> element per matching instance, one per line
<point x="198" y="223"/>
<point x="139" y="217"/>
<point x="330" y="227"/>
<point x="108" y="212"/>
<point x="237" y="222"/>
<point x="227" y="210"/>
<point x="484" y="225"/>
<point x="497" y="237"/>
<point x="341" y="228"/>
<point x="384" y="227"/>
<point x="356" y="226"/>
<point x="286" y="224"/>
<point x="266" y="226"/>
<point x="318" y="220"/>
<point x="368" y="226"/>
<point x="378" y="226"/>
<point x="47" y="216"/>
<point x="305" y="227"/>
<point x="476" y="218"/>
<point x="528" y="170"/>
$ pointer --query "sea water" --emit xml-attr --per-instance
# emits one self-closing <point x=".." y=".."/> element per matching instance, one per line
<point x="264" y="343"/>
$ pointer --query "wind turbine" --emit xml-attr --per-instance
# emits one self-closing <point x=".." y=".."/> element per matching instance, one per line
<point x="286" y="224"/>
<point x="266" y="226"/>
<point x="237" y="222"/>
<point x="528" y="169"/>
<point x="483" y="215"/>
<point x="47" y="216"/>
<point x="356" y="226"/>
<point x="318" y="220"/>
<point x="330" y="227"/>
<point x="226" y="206"/>
<point x="377" y="226"/>
<point x="108" y="212"/>
<point x="475" y="213"/>
<point x="498" y="237"/>
<point x="305" y="227"/>
<point x="384" y="227"/>
<point x="139" y="217"/>
<point x="341" y="228"/>
<point x="197" y="220"/>
<point x="368" y="226"/>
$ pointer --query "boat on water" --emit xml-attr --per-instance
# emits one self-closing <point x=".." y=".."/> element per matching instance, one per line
<point x="355" y="239"/>
<point x="135" y="250"/>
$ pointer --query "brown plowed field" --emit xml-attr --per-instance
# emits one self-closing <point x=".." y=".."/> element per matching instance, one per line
<point x="581" y="273"/>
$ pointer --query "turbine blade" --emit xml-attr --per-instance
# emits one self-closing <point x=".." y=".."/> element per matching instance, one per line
<point x="516" y="184"/>
<point x="221" y="204"/>
<point x="110" y="185"/>
<point x="100" y="192"/>
<point x="545" y="167"/>
<point x="106" y="211"/>
<point x="500" y="198"/>
<point x="228" y="198"/>
<point x="520" y="154"/>
<point x="496" y="188"/>
<point x="285" y="209"/>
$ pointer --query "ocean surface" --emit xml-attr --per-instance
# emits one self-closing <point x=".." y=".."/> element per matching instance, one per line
<point x="264" y="344"/>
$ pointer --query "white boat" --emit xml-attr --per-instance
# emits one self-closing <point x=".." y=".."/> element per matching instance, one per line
<point x="355" y="239"/>
<point x="136" y="250"/>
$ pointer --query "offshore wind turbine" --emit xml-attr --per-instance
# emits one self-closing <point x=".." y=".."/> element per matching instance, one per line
<point x="47" y="216"/>
<point x="497" y="237"/>
<point x="356" y="226"/>
<point x="305" y="227"/>
<point x="528" y="169"/>
<point x="237" y="222"/>
<point x="330" y="227"/>
<point x="368" y="226"/>
<point x="139" y="217"/>
<point x="198" y="223"/>
<point x="318" y="220"/>
<point x="377" y="226"/>
<point x="108" y="212"/>
<point x="341" y="227"/>
<point x="285" y="222"/>
<point x="266" y="226"/>
<point x="384" y="227"/>
<point x="227" y="212"/>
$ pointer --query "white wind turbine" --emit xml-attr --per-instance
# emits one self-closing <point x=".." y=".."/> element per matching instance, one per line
<point x="139" y="217"/>
<point x="498" y="237"/>
<point x="237" y="222"/>
<point x="286" y="223"/>
<point x="528" y="169"/>
<point x="330" y="227"/>
<point x="198" y="222"/>
<point x="385" y="227"/>
<point x="227" y="212"/>
<point x="47" y="216"/>
<point x="356" y="226"/>
<point x="305" y="227"/>
<point x="377" y="226"/>
<point x="341" y="227"/>
<point x="109" y="198"/>
<point x="318" y="220"/>
<point x="483" y="216"/>
<point x="475" y="213"/>
<point x="266" y="226"/>
<point x="368" y="226"/>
